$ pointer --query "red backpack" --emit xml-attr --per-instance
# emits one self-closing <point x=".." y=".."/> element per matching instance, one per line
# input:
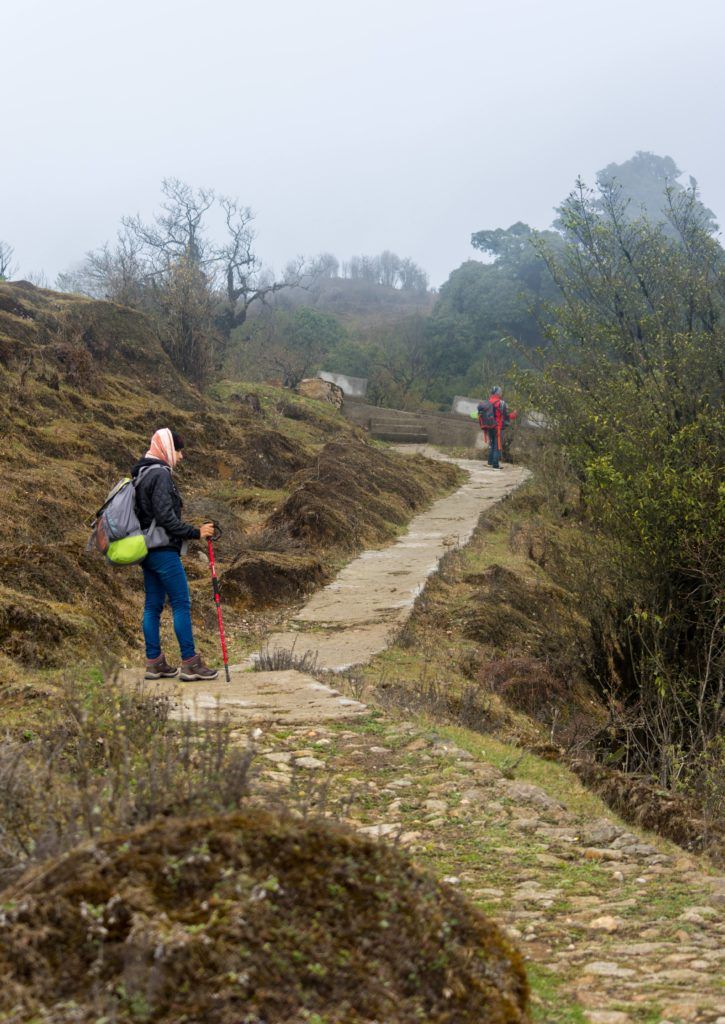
<point x="487" y="415"/>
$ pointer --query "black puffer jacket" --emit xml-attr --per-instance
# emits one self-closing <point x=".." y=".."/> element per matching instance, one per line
<point x="157" y="499"/>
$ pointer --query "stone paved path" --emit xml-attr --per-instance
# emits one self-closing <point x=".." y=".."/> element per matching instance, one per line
<point x="617" y="927"/>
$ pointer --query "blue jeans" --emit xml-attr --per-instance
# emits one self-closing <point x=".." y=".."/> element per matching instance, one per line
<point x="164" y="574"/>
<point x="494" y="452"/>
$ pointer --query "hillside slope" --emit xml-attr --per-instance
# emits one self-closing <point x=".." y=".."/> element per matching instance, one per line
<point x="83" y="385"/>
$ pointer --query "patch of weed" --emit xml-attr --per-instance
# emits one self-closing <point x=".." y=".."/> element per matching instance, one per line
<point x="549" y="1005"/>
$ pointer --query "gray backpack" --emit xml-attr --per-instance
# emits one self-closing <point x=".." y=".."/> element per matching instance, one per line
<point x="117" y="532"/>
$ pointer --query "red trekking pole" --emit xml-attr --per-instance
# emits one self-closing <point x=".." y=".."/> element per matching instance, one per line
<point x="217" y="596"/>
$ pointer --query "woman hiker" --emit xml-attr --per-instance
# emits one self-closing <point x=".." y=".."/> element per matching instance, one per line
<point x="157" y="499"/>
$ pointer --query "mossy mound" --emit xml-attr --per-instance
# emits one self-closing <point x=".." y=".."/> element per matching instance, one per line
<point x="250" y="917"/>
<point x="270" y="458"/>
<point x="356" y="494"/>
<point x="264" y="578"/>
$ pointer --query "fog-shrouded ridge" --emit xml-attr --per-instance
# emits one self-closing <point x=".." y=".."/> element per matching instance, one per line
<point x="394" y="127"/>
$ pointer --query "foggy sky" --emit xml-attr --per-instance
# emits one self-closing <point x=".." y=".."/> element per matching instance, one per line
<point x="347" y="127"/>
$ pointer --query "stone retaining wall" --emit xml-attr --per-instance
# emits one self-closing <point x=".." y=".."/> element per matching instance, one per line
<point x="441" y="428"/>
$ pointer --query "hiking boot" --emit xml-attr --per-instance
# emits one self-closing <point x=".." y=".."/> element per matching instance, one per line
<point x="159" y="668"/>
<point x="195" y="668"/>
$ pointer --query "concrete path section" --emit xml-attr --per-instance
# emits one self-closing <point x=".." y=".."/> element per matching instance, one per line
<point x="288" y="697"/>
<point x="357" y="615"/>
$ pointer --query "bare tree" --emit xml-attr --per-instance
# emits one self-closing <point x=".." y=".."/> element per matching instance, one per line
<point x="240" y="266"/>
<point x="118" y="273"/>
<point x="412" y="277"/>
<point x="7" y="266"/>
<point x="165" y="267"/>
<point x="177" y="232"/>
<point x="326" y="265"/>
<point x="185" y="318"/>
<point x="244" y="279"/>
<point x="171" y="264"/>
<point x="161" y="265"/>
<point x="388" y="267"/>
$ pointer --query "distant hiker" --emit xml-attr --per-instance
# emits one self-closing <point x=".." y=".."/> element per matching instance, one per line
<point x="158" y="500"/>
<point x="494" y="416"/>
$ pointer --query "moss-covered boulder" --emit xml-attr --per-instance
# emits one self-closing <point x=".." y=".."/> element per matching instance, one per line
<point x="249" y="917"/>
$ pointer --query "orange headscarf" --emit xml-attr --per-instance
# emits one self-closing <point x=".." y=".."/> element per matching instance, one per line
<point x="162" y="447"/>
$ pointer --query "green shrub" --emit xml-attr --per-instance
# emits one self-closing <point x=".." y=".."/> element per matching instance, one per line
<point x="632" y="387"/>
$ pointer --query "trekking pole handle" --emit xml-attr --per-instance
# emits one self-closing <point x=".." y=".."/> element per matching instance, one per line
<point x="217" y="529"/>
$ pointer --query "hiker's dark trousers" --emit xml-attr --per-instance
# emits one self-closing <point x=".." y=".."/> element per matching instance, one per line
<point x="494" y="453"/>
<point x="163" y="574"/>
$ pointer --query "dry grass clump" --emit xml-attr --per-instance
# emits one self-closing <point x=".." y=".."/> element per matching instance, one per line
<point x="106" y="759"/>
<point x="551" y="694"/>
<point x="249" y="917"/>
<point x="528" y="684"/>
<point x="470" y="708"/>
<point x="310" y="413"/>
<point x="269" y="458"/>
<point x="282" y="659"/>
<point x="522" y="616"/>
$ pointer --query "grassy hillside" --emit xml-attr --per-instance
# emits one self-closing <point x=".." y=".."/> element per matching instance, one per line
<point x="83" y="385"/>
<point x="194" y="910"/>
